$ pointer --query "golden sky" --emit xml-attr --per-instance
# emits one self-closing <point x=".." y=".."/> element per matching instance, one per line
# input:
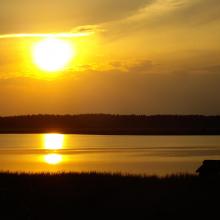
<point x="130" y="56"/>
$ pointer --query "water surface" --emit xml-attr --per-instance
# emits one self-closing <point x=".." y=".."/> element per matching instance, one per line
<point x="159" y="155"/>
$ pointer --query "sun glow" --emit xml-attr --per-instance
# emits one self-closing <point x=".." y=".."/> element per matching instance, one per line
<point x="53" y="54"/>
<point x="53" y="141"/>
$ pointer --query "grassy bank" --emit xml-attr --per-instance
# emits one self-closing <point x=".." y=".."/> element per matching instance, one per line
<point x="65" y="196"/>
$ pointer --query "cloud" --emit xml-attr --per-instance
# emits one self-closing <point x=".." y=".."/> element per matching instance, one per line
<point x="200" y="12"/>
<point x="113" y="92"/>
<point x="169" y="16"/>
<point x="209" y="69"/>
<point x="59" y="35"/>
<point x="142" y="87"/>
<point x="28" y="16"/>
<point x="88" y="29"/>
<point x="150" y="57"/>
<point x="186" y="12"/>
<point x="141" y="67"/>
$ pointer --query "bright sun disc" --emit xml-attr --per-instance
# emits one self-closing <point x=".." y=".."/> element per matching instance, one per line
<point x="52" y="54"/>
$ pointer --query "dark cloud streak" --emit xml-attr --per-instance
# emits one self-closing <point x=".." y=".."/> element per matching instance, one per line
<point x="18" y="16"/>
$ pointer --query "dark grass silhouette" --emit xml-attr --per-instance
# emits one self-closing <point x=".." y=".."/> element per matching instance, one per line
<point x="107" y="196"/>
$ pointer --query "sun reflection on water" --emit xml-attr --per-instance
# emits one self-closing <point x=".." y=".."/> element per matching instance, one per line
<point x="53" y="159"/>
<point x="53" y="143"/>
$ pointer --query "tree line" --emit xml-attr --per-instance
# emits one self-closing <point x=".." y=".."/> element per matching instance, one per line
<point x="113" y="124"/>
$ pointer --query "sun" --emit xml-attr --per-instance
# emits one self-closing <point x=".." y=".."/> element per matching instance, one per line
<point x="53" y="54"/>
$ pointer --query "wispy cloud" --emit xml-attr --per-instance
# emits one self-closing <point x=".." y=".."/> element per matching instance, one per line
<point x="43" y="35"/>
<point x="28" y="16"/>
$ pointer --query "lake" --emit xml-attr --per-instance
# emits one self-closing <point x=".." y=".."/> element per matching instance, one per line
<point x="149" y="155"/>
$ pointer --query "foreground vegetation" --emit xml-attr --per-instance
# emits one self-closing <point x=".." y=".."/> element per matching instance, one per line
<point x="65" y="196"/>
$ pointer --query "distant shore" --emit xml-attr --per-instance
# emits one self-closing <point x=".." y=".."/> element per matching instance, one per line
<point x="65" y="196"/>
<point x="102" y="124"/>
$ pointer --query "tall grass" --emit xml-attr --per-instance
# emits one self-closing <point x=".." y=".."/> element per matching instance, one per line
<point x="66" y="195"/>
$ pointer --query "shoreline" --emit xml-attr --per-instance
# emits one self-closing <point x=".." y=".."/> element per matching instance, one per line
<point x="100" y="174"/>
<point x="110" y="134"/>
<point x="107" y="124"/>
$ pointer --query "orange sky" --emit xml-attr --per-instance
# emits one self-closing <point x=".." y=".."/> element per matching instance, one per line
<point x="132" y="56"/>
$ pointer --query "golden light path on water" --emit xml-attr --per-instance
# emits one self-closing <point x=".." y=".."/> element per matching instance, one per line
<point x="53" y="143"/>
<point x="53" y="159"/>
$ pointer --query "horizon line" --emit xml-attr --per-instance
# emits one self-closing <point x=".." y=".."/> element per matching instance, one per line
<point x="111" y="114"/>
